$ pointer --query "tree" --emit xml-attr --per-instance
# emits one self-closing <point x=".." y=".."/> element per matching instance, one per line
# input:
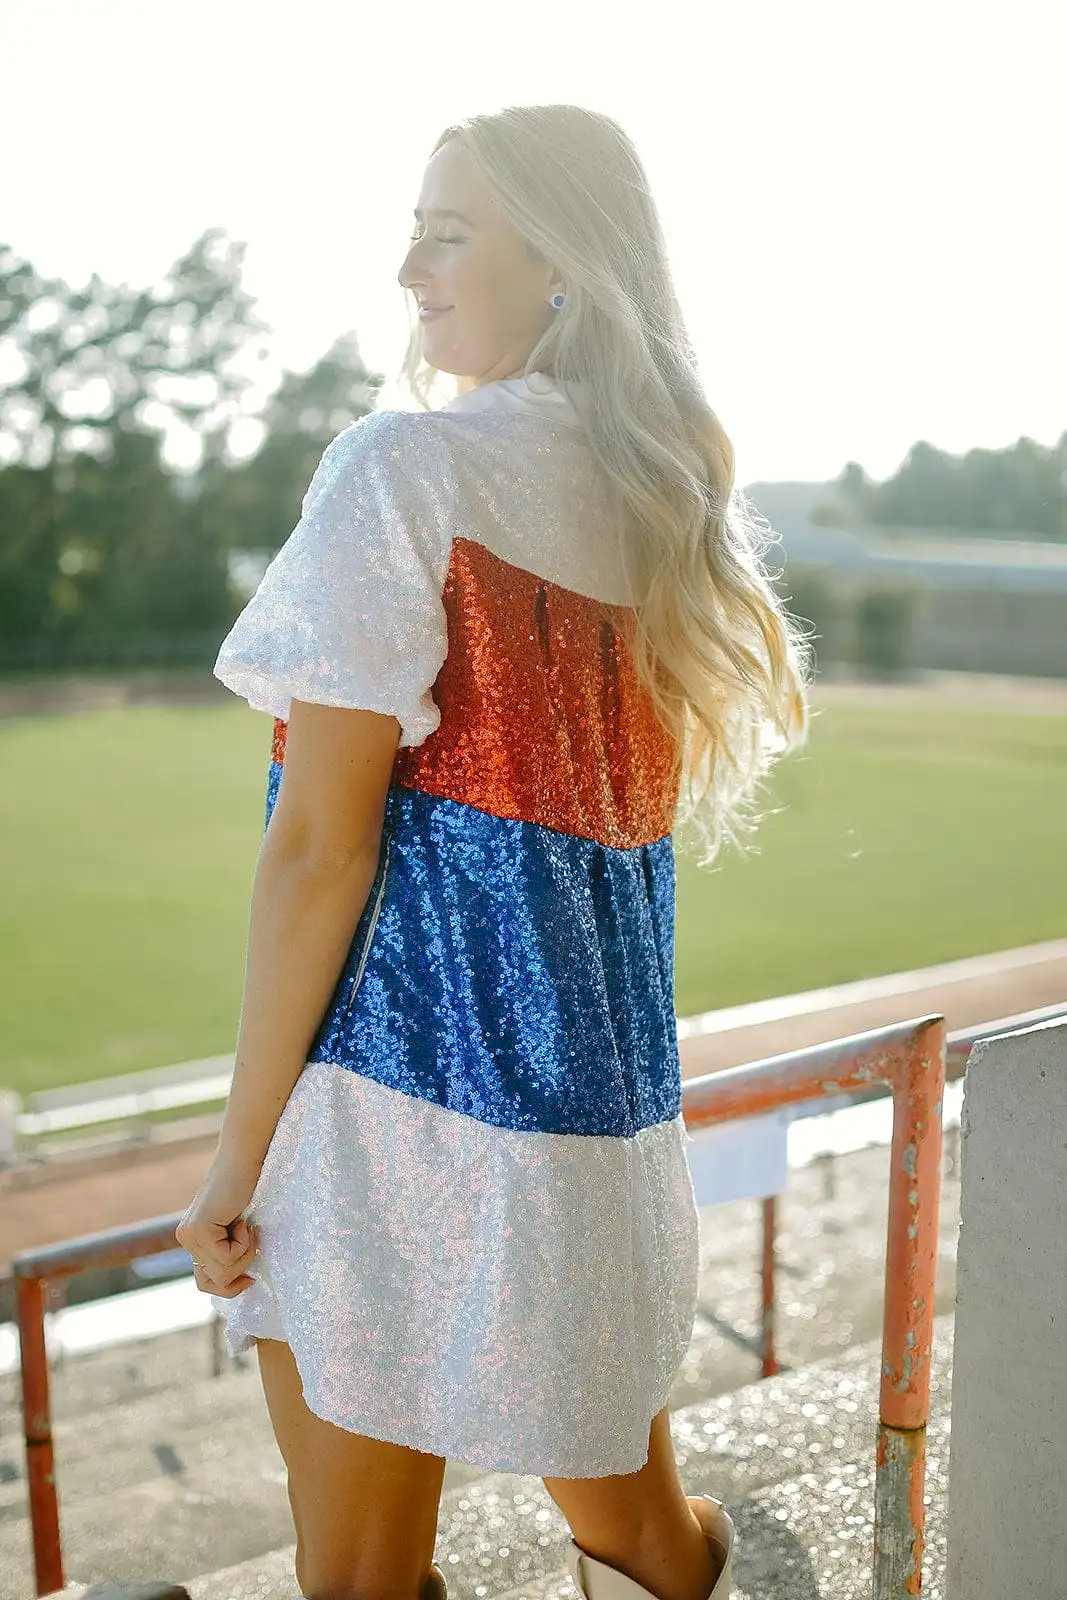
<point x="1018" y="492"/>
<point x="107" y="554"/>
<point x="255" y="504"/>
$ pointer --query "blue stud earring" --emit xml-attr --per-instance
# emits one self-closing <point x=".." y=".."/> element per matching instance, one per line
<point x="557" y="300"/>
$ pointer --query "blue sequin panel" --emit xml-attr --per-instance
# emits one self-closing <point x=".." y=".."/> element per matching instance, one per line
<point x="274" y="780"/>
<point x="513" y="972"/>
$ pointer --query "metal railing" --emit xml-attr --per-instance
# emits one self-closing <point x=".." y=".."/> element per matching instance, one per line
<point x="959" y="1044"/>
<point x="912" y="1058"/>
<point x="125" y="1106"/>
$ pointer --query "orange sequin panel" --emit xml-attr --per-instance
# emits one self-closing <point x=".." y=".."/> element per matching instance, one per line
<point x="542" y="717"/>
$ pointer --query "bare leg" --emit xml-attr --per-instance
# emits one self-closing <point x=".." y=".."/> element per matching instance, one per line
<point x="365" y="1510"/>
<point x="641" y="1522"/>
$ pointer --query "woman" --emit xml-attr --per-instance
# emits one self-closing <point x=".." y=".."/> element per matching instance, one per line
<point x="451" y="1205"/>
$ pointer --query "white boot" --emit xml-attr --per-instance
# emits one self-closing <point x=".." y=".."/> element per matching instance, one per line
<point x="596" y="1580"/>
<point x="435" y="1587"/>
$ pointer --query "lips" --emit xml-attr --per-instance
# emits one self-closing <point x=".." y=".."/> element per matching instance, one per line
<point x="428" y="313"/>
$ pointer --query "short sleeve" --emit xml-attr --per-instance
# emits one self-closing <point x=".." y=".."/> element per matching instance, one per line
<point x="350" y="612"/>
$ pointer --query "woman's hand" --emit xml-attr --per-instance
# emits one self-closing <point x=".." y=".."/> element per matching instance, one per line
<point x="220" y="1241"/>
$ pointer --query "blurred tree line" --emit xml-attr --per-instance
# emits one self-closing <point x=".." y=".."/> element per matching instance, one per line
<point x="111" y="557"/>
<point x="1015" y="493"/>
<point x="108" y="555"/>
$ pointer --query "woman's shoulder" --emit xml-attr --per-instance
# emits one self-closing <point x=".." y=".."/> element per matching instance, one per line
<point x="377" y="434"/>
<point x="436" y="429"/>
<point x="445" y="455"/>
<point x="385" y="461"/>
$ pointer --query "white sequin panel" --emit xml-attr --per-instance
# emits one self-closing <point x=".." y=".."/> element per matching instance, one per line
<point x="349" y="612"/>
<point x="519" y="1301"/>
<point x="529" y="488"/>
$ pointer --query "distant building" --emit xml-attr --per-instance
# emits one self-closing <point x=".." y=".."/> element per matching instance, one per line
<point x="982" y="604"/>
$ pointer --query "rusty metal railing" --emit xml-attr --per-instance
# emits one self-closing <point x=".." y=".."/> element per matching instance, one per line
<point x="959" y="1045"/>
<point x="910" y="1057"/>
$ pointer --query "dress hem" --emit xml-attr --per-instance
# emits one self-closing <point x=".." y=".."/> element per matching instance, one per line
<point x="387" y="1433"/>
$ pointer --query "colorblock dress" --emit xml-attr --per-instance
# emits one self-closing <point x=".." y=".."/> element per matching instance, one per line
<point x="478" y="1229"/>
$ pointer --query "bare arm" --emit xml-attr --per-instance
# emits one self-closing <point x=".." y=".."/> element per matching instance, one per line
<point x="316" y="865"/>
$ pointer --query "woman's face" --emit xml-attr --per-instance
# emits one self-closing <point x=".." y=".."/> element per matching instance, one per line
<point x="467" y="262"/>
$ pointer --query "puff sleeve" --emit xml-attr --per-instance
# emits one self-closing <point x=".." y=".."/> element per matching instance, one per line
<point x="349" y="612"/>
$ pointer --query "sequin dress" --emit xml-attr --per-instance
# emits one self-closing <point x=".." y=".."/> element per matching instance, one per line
<point x="478" y="1229"/>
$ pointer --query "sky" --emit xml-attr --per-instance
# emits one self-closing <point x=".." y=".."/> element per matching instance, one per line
<point x="862" y="202"/>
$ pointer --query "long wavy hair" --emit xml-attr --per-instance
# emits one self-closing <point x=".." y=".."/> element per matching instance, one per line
<point x="726" y="665"/>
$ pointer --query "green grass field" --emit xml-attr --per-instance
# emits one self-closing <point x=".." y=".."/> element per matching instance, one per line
<point x="128" y="840"/>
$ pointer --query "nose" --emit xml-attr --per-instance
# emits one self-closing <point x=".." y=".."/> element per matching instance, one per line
<point x="409" y="276"/>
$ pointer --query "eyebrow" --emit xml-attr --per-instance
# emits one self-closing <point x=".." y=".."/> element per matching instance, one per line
<point x="457" y="214"/>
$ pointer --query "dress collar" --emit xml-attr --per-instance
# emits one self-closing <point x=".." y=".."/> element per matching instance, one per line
<point x="539" y="394"/>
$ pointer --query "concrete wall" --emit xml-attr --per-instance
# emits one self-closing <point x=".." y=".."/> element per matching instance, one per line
<point x="992" y="631"/>
<point x="956" y="624"/>
<point x="1007" y="1511"/>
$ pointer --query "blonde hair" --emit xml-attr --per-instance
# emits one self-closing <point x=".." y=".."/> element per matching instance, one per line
<point x="726" y="665"/>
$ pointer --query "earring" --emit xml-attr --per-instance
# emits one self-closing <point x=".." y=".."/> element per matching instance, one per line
<point x="557" y="300"/>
